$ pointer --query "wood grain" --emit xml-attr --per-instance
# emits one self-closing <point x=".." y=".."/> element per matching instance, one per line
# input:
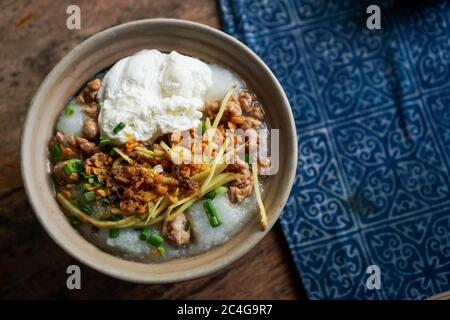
<point x="34" y="38"/>
<point x="441" y="296"/>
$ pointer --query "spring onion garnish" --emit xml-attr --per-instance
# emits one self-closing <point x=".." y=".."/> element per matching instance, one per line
<point x="91" y="181"/>
<point x="70" y="110"/>
<point x="145" y="234"/>
<point x="212" y="213"/>
<point x="73" y="166"/>
<point x="203" y="126"/>
<point x="85" y="176"/>
<point x="114" y="233"/>
<point x="87" y="208"/>
<point x="112" y="153"/>
<point x="220" y="190"/>
<point x="161" y="251"/>
<point x="210" y="195"/>
<point x="155" y="240"/>
<point x="119" y="127"/>
<point x="89" y="196"/>
<point x="262" y="210"/>
<point x="56" y="150"/>
<point x="152" y="238"/>
<point x="105" y="142"/>
<point x="216" y="192"/>
<point x="86" y="187"/>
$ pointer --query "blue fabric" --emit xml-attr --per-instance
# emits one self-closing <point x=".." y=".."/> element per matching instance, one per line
<point x="372" y="110"/>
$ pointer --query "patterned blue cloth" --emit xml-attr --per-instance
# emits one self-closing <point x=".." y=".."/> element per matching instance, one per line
<point x="372" y="110"/>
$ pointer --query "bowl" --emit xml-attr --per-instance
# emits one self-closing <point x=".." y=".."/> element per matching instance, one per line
<point x="103" y="50"/>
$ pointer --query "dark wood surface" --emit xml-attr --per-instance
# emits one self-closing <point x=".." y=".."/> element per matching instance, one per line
<point x="34" y="38"/>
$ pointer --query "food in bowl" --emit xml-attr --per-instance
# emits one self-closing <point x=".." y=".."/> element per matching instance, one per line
<point x="161" y="156"/>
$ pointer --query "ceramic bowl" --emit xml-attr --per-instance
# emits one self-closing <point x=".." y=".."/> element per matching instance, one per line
<point x="103" y="50"/>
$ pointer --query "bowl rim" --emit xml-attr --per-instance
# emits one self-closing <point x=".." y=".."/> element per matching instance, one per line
<point x="114" y="272"/>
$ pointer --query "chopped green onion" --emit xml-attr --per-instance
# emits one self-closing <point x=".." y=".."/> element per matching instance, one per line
<point x="85" y="186"/>
<point x="95" y="229"/>
<point x="187" y="226"/>
<point x="210" y="195"/>
<point x="70" y="110"/>
<point x="89" y="196"/>
<point x="112" y="153"/>
<point x="56" y="150"/>
<point x="92" y="181"/>
<point x="119" y="127"/>
<point x="87" y="208"/>
<point x="73" y="166"/>
<point x="220" y="190"/>
<point x="74" y="222"/>
<point x="145" y="234"/>
<point x="85" y="176"/>
<point x="212" y="213"/>
<point x="161" y="251"/>
<point x="202" y="126"/>
<point x="216" y="192"/>
<point x="155" y="240"/>
<point x="214" y="221"/>
<point x="114" y="233"/>
<point x="105" y="142"/>
<point x="247" y="157"/>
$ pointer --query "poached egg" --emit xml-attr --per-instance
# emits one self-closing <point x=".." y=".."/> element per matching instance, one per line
<point x="153" y="93"/>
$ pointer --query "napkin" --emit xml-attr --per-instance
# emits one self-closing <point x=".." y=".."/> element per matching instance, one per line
<point x="369" y="213"/>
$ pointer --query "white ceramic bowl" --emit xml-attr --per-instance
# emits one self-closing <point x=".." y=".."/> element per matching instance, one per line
<point x="103" y="50"/>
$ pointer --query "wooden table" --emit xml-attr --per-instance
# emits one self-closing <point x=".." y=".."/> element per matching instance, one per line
<point x="34" y="38"/>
